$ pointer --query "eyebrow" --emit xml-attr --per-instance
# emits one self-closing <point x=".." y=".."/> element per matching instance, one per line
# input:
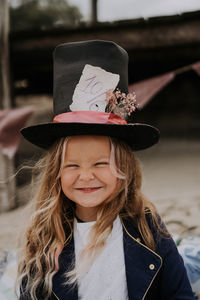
<point x="73" y="160"/>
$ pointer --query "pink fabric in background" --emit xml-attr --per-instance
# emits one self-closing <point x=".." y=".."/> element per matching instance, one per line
<point x="11" y="121"/>
<point x="145" y="90"/>
<point x="196" y="67"/>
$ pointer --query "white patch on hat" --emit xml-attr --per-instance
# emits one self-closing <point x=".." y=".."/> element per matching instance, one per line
<point x="90" y="92"/>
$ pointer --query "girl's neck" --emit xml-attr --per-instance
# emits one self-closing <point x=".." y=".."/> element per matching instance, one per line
<point x="88" y="214"/>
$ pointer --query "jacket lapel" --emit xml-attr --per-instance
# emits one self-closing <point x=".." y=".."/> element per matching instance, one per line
<point x="142" y="264"/>
<point x="60" y="290"/>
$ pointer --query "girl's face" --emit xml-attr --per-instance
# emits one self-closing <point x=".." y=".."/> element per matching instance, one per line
<point x="86" y="177"/>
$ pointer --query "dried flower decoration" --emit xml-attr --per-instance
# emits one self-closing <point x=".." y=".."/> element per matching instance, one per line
<point x="121" y="104"/>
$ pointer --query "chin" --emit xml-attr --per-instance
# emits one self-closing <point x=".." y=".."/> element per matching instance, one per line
<point x="90" y="205"/>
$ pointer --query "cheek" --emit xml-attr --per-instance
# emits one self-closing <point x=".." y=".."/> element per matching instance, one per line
<point x="67" y="179"/>
<point x="107" y="177"/>
<point x="113" y="183"/>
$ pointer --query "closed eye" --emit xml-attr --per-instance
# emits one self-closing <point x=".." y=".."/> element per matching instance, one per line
<point x="71" y="166"/>
<point x="102" y="163"/>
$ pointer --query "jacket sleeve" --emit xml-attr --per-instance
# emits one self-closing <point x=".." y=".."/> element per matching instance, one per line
<point x="24" y="295"/>
<point x="174" y="283"/>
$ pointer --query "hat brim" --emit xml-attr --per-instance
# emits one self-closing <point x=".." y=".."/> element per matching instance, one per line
<point x="138" y="136"/>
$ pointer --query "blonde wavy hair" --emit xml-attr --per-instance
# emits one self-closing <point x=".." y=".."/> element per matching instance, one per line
<point x="53" y="215"/>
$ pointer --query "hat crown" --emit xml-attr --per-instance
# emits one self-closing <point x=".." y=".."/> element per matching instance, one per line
<point x="77" y="66"/>
<point x="70" y="60"/>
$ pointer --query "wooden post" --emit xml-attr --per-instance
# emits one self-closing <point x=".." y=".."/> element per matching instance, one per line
<point x="94" y="12"/>
<point x="7" y="184"/>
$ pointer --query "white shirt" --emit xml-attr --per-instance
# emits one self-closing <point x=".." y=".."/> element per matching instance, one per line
<point x="106" y="278"/>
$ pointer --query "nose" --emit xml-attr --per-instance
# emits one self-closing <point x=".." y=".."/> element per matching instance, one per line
<point x="86" y="175"/>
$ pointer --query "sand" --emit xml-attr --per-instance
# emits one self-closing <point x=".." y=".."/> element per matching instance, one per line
<point x="172" y="182"/>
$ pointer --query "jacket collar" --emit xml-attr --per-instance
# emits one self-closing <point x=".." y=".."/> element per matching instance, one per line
<point x="141" y="263"/>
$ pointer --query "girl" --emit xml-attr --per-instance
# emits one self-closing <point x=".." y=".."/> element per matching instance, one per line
<point x="93" y="235"/>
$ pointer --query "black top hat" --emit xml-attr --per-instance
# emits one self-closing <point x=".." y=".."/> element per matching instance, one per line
<point x="90" y="97"/>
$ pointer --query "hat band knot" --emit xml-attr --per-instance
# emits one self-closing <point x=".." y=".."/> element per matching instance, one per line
<point x="89" y="117"/>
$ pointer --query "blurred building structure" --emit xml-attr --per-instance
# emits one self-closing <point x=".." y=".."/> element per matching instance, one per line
<point x="155" y="46"/>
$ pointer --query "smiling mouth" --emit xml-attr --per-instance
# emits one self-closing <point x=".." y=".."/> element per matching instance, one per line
<point x="88" y="189"/>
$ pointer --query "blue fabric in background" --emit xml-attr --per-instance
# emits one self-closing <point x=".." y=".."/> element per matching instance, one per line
<point x="189" y="248"/>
